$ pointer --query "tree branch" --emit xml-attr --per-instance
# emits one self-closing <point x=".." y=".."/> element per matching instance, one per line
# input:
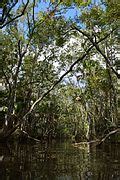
<point x="28" y="21"/>
<point x="98" y="48"/>
<point x="33" y="12"/>
<point x="61" y="78"/>
<point x="19" y="62"/>
<point x="16" y="17"/>
<point x="52" y="87"/>
<point x="9" y="11"/>
<point x="35" y="25"/>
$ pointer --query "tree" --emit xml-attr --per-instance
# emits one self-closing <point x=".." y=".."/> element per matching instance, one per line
<point x="18" y="67"/>
<point x="29" y="54"/>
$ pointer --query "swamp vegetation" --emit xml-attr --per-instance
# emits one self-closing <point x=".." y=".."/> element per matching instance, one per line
<point x="59" y="81"/>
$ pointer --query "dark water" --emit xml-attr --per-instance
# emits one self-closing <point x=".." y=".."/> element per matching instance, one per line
<point x="60" y="161"/>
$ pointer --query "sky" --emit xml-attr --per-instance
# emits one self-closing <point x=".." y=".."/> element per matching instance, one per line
<point x="44" y="4"/>
<point x="69" y="14"/>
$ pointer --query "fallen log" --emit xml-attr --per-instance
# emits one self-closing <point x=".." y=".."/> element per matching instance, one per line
<point x="108" y="135"/>
<point x="84" y="144"/>
<point x="97" y="142"/>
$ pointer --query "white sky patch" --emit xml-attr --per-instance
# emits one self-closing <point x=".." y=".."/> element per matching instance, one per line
<point x="2" y="87"/>
<point x="118" y="71"/>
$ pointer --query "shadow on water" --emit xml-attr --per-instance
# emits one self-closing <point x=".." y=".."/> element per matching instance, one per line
<point x="60" y="161"/>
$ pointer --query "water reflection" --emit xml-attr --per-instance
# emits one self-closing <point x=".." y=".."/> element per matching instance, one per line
<point x="60" y="161"/>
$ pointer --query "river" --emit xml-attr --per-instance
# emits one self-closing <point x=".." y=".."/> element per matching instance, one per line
<point x="59" y="161"/>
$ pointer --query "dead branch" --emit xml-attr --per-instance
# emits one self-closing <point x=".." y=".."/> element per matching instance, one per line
<point x="28" y="136"/>
<point x="108" y="135"/>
